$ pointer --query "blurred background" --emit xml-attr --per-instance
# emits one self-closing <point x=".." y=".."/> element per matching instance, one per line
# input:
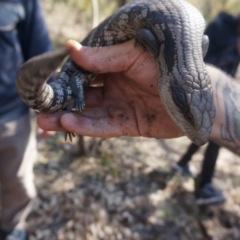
<point x="123" y="188"/>
<point x="74" y="18"/>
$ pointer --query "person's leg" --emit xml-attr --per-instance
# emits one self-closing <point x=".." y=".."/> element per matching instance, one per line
<point x="209" y="163"/>
<point x="182" y="165"/>
<point x="17" y="156"/>
<point x="205" y="192"/>
<point x="188" y="155"/>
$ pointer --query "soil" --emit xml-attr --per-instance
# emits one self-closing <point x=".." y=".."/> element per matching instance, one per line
<point x="125" y="188"/>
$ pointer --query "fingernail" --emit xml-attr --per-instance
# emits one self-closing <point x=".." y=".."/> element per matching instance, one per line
<point x="73" y="44"/>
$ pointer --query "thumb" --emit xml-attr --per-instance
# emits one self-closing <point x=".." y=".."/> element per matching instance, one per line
<point x="115" y="58"/>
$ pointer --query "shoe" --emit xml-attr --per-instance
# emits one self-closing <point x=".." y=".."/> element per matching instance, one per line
<point x="208" y="194"/>
<point x="183" y="169"/>
<point x="17" y="234"/>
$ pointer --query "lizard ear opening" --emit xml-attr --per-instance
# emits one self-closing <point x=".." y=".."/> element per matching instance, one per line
<point x="205" y="44"/>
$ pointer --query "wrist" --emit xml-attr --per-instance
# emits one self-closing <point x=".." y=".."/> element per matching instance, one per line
<point x="219" y="104"/>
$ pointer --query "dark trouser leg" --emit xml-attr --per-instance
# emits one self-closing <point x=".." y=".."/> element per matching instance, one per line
<point x="188" y="155"/>
<point x="209" y="163"/>
<point x="17" y="155"/>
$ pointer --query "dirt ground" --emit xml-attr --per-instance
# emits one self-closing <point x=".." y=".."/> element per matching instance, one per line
<point x="124" y="188"/>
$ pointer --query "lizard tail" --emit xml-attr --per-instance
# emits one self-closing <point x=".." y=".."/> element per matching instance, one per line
<point x="32" y="77"/>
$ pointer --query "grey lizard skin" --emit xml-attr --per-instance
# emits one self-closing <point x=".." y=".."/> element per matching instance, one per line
<point x="171" y="30"/>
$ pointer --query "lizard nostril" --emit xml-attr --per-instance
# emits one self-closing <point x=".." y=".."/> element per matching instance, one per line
<point x="189" y="117"/>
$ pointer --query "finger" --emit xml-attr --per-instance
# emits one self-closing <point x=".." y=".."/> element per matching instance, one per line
<point x="116" y="58"/>
<point x="50" y="122"/>
<point x="92" y="127"/>
<point x="97" y="112"/>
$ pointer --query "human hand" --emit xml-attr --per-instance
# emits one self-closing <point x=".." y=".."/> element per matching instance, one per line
<point x="128" y="102"/>
<point x="44" y="134"/>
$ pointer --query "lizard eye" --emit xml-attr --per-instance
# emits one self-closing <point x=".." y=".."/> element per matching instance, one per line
<point x="189" y="117"/>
